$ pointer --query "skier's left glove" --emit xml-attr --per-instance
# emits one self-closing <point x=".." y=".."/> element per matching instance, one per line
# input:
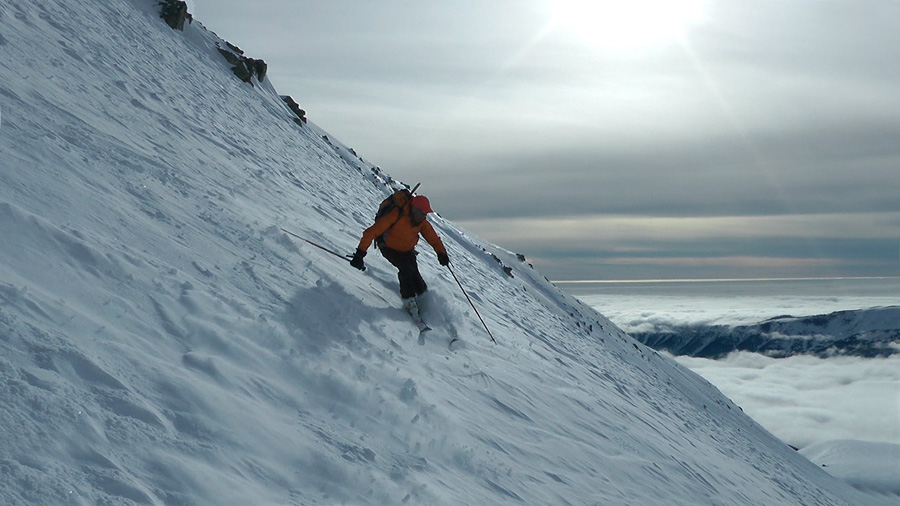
<point x="357" y="260"/>
<point x="443" y="259"/>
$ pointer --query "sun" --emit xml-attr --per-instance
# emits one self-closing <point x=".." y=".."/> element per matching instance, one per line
<point x="626" y="24"/>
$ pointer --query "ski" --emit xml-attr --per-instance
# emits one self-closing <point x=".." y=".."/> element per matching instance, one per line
<point x="420" y="324"/>
<point x="423" y="327"/>
<point x="412" y="309"/>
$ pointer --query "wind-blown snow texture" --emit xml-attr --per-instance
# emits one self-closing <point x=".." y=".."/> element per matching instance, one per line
<point x="164" y="343"/>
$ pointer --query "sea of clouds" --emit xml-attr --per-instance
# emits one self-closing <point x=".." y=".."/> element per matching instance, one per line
<point x="804" y="400"/>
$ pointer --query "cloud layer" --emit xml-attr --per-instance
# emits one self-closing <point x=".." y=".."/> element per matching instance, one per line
<point x="805" y="400"/>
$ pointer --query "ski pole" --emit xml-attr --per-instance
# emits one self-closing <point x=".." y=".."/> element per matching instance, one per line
<point x="472" y="304"/>
<point x="323" y="248"/>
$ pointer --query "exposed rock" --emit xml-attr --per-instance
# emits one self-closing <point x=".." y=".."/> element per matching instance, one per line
<point x="175" y="12"/>
<point x="295" y="107"/>
<point x="244" y="74"/>
<point x="244" y="68"/>
<point x="230" y="56"/>
<point x="257" y="67"/>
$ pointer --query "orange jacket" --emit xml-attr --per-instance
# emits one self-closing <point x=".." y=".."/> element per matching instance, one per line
<point x="402" y="234"/>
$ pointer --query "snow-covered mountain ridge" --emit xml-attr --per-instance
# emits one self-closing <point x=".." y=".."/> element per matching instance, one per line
<point x="872" y="332"/>
<point x="163" y="342"/>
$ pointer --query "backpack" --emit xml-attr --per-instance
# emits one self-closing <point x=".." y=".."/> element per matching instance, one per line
<point x="397" y="200"/>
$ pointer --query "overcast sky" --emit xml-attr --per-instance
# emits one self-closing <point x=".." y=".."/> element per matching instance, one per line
<point x="650" y="139"/>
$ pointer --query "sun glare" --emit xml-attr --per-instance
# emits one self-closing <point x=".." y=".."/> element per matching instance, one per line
<point x="626" y="24"/>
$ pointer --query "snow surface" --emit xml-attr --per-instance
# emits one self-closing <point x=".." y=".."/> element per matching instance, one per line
<point x="163" y="342"/>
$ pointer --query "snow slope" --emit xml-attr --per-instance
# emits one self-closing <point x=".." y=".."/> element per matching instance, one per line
<point x="163" y="342"/>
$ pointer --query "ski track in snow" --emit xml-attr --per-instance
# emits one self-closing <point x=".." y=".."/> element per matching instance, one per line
<point x="163" y="342"/>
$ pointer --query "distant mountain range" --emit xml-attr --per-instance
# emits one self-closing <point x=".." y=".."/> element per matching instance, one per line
<point x="873" y="332"/>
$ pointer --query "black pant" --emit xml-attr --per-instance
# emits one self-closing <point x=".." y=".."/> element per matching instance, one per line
<point x="411" y="282"/>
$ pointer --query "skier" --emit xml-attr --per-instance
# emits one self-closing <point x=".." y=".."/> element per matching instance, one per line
<point x="396" y="234"/>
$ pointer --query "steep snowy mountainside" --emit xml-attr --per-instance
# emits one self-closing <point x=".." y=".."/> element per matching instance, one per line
<point x="163" y="342"/>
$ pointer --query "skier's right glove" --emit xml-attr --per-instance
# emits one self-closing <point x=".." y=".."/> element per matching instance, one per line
<point x="357" y="260"/>
<point x="443" y="259"/>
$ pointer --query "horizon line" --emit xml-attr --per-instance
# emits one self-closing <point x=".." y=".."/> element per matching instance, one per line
<point x="719" y="280"/>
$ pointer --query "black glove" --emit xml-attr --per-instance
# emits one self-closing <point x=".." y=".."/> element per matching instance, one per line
<point x="443" y="259"/>
<point x="357" y="260"/>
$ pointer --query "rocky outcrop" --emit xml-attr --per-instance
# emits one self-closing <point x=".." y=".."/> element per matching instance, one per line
<point x="175" y="13"/>
<point x="244" y="68"/>
<point x="295" y="107"/>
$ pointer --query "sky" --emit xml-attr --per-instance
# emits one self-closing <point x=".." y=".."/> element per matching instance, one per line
<point x="605" y="140"/>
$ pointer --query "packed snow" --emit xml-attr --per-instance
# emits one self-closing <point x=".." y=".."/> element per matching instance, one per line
<point x="164" y="342"/>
